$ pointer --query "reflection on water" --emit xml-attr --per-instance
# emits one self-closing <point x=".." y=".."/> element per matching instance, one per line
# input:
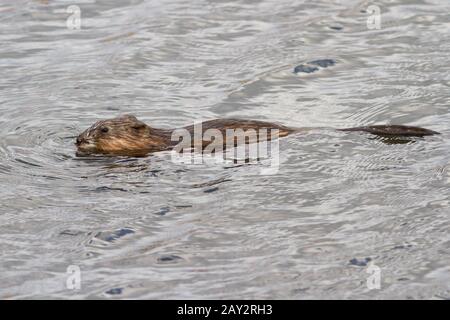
<point x="152" y="228"/>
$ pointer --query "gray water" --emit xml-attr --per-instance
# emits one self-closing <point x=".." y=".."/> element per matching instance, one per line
<point x="342" y="208"/>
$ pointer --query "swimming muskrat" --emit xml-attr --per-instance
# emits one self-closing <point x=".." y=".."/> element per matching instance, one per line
<point x="128" y="136"/>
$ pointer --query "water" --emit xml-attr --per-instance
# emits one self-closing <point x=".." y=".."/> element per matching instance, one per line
<point x="341" y="206"/>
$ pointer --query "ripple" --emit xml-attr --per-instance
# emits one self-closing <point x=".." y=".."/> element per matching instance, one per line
<point x="152" y="228"/>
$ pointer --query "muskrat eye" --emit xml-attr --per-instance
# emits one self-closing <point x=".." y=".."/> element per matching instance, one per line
<point x="104" y="129"/>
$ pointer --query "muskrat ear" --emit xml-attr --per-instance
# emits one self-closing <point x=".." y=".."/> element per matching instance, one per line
<point x="139" y="125"/>
<point x="129" y="117"/>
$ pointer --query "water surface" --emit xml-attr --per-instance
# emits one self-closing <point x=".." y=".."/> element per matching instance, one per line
<point x="153" y="228"/>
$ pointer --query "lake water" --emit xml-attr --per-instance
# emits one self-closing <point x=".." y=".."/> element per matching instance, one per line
<point x="346" y="216"/>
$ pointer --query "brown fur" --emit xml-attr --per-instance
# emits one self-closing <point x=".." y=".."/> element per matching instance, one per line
<point x="394" y="131"/>
<point x="127" y="136"/>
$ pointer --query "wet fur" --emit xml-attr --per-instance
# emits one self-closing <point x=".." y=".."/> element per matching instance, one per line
<point x="127" y="136"/>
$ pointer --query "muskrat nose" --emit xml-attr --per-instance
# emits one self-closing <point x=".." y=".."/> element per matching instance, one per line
<point x="79" y="141"/>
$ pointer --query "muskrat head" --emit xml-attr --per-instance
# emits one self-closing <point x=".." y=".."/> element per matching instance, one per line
<point x="125" y="135"/>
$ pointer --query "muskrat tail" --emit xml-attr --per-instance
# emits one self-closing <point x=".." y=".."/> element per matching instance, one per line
<point x="394" y="131"/>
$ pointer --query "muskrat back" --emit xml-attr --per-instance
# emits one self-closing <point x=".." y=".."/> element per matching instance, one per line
<point x="128" y="136"/>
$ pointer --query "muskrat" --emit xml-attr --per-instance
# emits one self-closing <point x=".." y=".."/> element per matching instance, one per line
<point x="128" y="136"/>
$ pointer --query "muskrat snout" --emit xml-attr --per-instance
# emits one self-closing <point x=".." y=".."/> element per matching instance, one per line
<point x="85" y="143"/>
<point x="81" y="140"/>
<point x="78" y="141"/>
